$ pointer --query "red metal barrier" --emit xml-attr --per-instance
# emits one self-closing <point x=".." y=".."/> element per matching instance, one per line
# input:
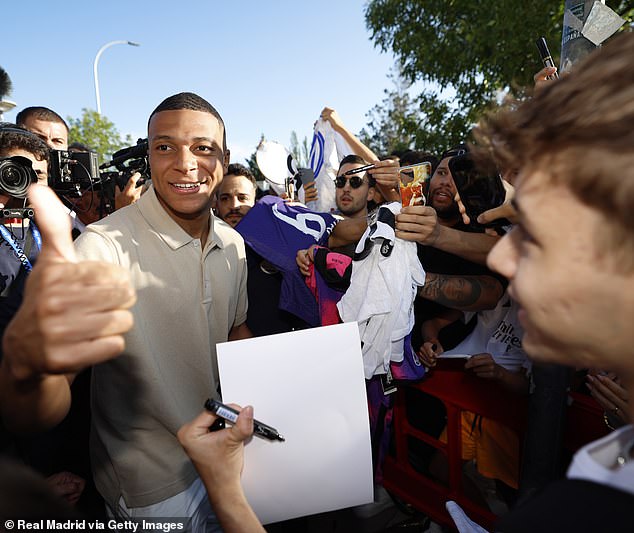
<point x="460" y="391"/>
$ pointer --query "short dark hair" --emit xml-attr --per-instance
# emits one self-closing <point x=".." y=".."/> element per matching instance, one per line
<point x="354" y="159"/>
<point x="15" y="137"/>
<point x="236" y="169"/>
<point x="79" y="147"/>
<point x="192" y="102"/>
<point x="40" y="113"/>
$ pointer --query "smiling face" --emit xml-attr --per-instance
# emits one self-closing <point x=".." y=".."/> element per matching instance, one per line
<point x="442" y="192"/>
<point x="187" y="163"/>
<point x="576" y="304"/>
<point x="236" y="195"/>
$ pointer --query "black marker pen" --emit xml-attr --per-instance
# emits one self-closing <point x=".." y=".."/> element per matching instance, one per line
<point x="231" y="415"/>
<point x="544" y="53"/>
<point x="357" y="170"/>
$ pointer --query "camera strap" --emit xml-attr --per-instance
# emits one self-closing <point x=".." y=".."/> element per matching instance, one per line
<point x="17" y="249"/>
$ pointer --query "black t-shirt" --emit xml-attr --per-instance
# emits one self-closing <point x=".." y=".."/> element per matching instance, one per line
<point x="264" y="282"/>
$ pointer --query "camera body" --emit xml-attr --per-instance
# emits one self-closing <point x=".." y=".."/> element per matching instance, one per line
<point x="72" y="172"/>
<point x="126" y="161"/>
<point x="16" y="175"/>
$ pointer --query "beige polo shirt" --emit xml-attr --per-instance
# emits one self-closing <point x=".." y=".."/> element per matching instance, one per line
<point x="189" y="298"/>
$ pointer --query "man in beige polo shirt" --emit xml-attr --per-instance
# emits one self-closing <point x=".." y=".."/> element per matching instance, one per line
<point x="189" y="271"/>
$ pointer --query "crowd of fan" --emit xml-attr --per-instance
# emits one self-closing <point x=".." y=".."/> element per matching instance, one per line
<point x="67" y="309"/>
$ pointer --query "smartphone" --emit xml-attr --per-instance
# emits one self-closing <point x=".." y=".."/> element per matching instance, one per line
<point x="479" y="191"/>
<point x="414" y="179"/>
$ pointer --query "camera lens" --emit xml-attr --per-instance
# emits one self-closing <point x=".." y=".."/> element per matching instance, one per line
<point x="16" y="174"/>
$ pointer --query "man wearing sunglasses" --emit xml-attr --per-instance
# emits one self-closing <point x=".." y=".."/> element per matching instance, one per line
<point x="354" y="191"/>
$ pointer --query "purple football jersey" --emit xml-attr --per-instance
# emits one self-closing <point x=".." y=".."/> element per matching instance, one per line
<point x="276" y="230"/>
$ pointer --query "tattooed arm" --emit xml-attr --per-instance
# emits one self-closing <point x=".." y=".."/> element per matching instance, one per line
<point x="465" y="293"/>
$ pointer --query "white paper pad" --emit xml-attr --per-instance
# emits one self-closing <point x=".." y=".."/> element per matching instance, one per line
<point x="309" y="385"/>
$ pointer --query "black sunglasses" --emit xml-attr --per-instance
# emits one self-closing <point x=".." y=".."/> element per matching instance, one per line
<point x="355" y="181"/>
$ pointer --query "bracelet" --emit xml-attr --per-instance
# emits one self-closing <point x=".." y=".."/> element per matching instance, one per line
<point x="607" y="420"/>
<point x="611" y="420"/>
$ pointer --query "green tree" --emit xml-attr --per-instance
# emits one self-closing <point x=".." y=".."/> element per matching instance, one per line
<point x="473" y="47"/>
<point x="97" y="132"/>
<point x="394" y="124"/>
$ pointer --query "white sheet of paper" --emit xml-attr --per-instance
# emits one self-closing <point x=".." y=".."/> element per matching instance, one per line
<point x="309" y="385"/>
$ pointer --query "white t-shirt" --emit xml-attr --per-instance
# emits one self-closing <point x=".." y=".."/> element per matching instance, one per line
<point x="499" y="333"/>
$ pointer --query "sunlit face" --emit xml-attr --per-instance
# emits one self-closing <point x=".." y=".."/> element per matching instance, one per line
<point x="576" y="307"/>
<point x="52" y="133"/>
<point x="187" y="161"/>
<point x="442" y="191"/>
<point x="236" y="195"/>
<point x="351" y="202"/>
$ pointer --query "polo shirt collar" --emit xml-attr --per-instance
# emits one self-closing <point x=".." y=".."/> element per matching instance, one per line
<point x="165" y="226"/>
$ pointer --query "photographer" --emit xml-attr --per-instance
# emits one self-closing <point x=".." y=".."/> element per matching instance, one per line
<point x="19" y="243"/>
<point x="24" y="158"/>
<point x="111" y="195"/>
<point x="46" y="124"/>
<point x="89" y="205"/>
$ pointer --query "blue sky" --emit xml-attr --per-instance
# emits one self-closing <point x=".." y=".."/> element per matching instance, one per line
<point x="268" y="67"/>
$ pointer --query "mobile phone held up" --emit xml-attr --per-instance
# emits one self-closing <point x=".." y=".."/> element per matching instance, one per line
<point x="479" y="189"/>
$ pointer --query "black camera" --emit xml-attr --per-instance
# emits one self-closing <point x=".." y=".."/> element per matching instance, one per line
<point x="72" y="172"/>
<point x="126" y="161"/>
<point x="16" y="175"/>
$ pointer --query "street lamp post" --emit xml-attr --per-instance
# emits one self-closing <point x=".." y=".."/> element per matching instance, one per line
<point x="96" y="63"/>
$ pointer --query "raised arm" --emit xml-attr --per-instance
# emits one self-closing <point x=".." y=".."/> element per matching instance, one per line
<point x="73" y="316"/>
<point x="329" y="114"/>
<point x="420" y="224"/>
<point x="464" y="293"/>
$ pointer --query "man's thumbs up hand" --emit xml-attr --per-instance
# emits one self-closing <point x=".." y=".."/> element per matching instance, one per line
<point x="54" y="224"/>
<point x="73" y="314"/>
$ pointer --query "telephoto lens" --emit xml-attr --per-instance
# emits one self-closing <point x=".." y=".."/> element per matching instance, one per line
<point x="16" y="174"/>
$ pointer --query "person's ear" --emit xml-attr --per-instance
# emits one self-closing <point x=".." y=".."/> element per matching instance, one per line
<point x="225" y="162"/>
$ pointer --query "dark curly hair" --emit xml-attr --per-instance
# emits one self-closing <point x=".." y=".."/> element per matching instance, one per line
<point x="14" y="137"/>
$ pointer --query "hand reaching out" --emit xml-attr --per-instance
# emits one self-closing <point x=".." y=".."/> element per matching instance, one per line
<point x="609" y="393"/>
<point x="67" y="485"/>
